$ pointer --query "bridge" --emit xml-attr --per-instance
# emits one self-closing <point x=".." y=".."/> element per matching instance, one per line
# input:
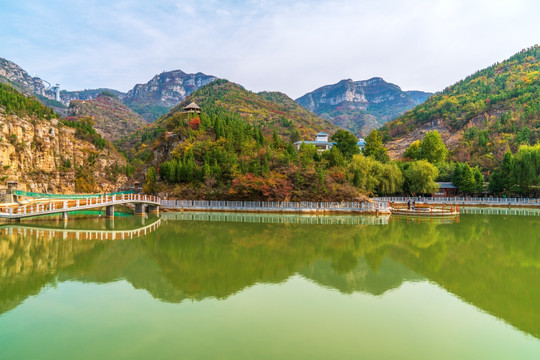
<point x="48" y="204"/>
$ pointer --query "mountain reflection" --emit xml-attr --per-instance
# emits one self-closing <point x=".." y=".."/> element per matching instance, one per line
<point x="490" y="262"/>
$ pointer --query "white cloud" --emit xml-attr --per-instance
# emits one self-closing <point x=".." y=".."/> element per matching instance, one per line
<point x="290" y="46"/>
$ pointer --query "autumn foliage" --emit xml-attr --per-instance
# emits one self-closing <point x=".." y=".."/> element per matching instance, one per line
<point x="194" y="123"/>
<point x="273" y="187"/>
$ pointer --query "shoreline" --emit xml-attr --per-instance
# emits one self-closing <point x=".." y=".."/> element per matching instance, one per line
<point x="336" y="211"/>
<point x="476" y="205"/>
<point x="281" y="211"/>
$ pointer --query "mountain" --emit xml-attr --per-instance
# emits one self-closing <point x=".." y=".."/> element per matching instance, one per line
<point x="88" y="94"/>
<point x="239" y="147"/>
<point x="13" y="74"/>
<point x="270" y="110"/>
<point x="45" y="154"/>
<point x="162" y="92"/>
<point x="112" y="119"/>
<point x="361" y="106"/>
<point x="480" y="117"/>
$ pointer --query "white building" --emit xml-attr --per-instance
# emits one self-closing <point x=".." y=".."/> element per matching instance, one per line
<point x="321" y="143"/>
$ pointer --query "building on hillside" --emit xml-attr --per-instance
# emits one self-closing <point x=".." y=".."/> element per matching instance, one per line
<point x="361" y="143"/>
<point x="192" y="108"/>
<point x="446" y="189"/>
<point x="322" y="143"/>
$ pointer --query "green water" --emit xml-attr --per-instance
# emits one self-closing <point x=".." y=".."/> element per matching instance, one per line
<point x="271" y="287"/>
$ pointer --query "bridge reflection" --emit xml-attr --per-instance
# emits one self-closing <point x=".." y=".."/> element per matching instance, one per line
<point x="47" y="232"/>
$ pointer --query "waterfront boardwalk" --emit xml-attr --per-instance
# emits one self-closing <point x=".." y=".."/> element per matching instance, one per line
<point x="57" y="204"/>
<point x="278" y="206"/>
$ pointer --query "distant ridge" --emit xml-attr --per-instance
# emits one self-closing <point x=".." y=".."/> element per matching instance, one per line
<point x="162" y="92"/>
<point x="361" y="106"/>
<point x="112" y="119"/>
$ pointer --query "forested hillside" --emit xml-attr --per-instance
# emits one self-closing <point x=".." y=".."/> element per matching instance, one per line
<point x="480" y="117"/>
<point x="266" y="110"/>
<point x="111" y="117"/>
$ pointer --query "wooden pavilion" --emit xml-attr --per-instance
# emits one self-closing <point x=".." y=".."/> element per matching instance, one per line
<point x="192" y="108"/>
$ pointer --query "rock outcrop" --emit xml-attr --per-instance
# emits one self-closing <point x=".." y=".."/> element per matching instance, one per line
<point x="16" y="76"/>
<point x="162" y="92"/>
<point x="361" y="106"/>
<point x="46" y="156"/>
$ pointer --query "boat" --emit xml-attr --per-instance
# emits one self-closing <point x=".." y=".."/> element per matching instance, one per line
<point x="424" y="210"/>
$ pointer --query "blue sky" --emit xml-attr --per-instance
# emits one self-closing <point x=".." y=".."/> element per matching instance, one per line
<point x="289" y="46"/>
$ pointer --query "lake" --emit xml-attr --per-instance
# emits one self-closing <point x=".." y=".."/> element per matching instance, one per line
<point x="231" y="286"/>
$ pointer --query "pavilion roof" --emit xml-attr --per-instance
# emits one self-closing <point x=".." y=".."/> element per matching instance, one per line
<point x="192" y="106"/>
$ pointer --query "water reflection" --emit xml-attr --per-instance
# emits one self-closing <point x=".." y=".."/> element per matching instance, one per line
<point x="491" y="262"/>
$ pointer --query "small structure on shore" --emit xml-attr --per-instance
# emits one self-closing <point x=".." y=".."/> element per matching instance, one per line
<point x="192" y="108"/>
<point x="423" y="209"/>
<point x="446" y="189"/>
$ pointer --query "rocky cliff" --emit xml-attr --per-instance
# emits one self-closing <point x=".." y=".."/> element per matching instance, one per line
<point x="361" y="106"/>
<point x="16" y="76"/>
<point x="162" y="92"/>
<point x="45" y="154"/>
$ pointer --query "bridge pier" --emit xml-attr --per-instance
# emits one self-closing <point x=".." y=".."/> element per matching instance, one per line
<point x="110" y="223"/>
<point x="153" y="209"/>
<point x="141" y="220"/>
<point x="109" y="211"/>
<point x="65" y="216"/>
<point x="139" y="209"/>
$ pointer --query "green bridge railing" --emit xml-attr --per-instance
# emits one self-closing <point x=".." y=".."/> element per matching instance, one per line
<point x="62" y="196"/>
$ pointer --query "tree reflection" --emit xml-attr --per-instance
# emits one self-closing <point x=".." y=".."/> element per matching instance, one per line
<point x="492" y="262"/>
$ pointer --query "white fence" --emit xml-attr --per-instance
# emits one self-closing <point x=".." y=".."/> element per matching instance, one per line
<point x="277" y="219"/>
<point x="53" y="206"/>
<point x="464" y="200"/>
<point x="500" y="211"/>
<point x="275" y="206"/>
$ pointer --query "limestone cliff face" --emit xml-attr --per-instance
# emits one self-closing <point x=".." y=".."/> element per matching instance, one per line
<point x="361" y="106"/>
<point x="46" y="156"/>
<point x="163" y="91"/>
